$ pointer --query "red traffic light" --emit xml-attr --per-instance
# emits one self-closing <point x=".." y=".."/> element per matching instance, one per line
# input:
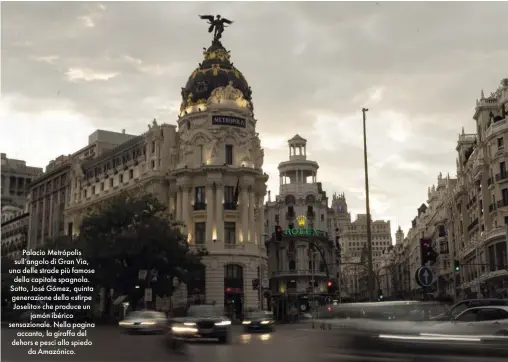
<point x="426" y="245"/>
<point x="329" y="284"/>
<point x="279" y="229"/>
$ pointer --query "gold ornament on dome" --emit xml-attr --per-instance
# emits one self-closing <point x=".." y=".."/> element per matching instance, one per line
<point x="228" y="93"/>
<point x="237" y="73"/>
<point x="216" y="69"/>
<point x="195" y="72"/>
<point x="220" y="54"/>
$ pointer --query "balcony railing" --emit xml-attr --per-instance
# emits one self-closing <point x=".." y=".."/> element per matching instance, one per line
<point x="501" y="176"/>
<point x="234" y="246"/>
<point x="304" y="272"/>
<point x="199" y="206"/>
<point x="502" y="203"/>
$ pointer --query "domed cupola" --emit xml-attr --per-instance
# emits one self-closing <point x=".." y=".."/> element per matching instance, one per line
<point x="215" y="80"/>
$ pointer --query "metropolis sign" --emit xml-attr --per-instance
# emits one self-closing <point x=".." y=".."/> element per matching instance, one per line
<point x="228" y="121"/>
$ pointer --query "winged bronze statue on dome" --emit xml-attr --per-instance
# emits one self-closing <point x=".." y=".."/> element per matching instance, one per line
<point x="217" y="25"/>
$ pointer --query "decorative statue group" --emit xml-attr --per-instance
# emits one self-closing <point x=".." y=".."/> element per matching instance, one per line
<point x="217" y="25"/>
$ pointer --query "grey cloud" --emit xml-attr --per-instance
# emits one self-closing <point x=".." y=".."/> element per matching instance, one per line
<point x="303" y="61"/>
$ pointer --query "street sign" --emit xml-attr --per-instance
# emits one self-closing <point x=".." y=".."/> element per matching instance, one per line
<point x="424" y="276"/>
<point x="148" y="295"/>
<point x="265" y="283"/>
<point x="329" y="300"/>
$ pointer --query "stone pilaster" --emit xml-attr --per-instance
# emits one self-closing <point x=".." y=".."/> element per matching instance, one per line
<point x="219" y="211"/>
<point x="244" y="210"/>
<point x="252" y="223"/>
<point x="209" y="211"/>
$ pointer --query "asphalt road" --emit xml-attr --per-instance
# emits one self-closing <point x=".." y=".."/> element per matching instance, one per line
<point x="289" y="343"/>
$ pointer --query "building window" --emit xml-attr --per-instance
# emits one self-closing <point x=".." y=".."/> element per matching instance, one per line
<point x="84" y="193"/>
<point x="229" y="198"/>
<point x="121" y="178"/>
<point x="233" y="271"/>
<point x="153" y="147"/>
<point x="200" y="232"/>
<point x="102" y="186"/>
<point x="131" y="174"/>
<point x="110" y="182"/>
<point x="229" y="154"/>
<point x="153" y="165"/>
<point x="199" y="196"/>
<point x="500" y="143"/>
<point x="504" y="195"/>
<point x="93" y="190"/>
<point x="230" y="232"/>
<point x="502" y="169"/>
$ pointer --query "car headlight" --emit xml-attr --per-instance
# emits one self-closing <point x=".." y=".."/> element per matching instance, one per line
<point x="246" y="322"/>
<point x="189" y="324"/>
<point x="223" y="323"/>
<point x="266" y="322"/>
<point x="148" y="323"/>
<point x="124" y="323"/>
<point x="182" y="328"/>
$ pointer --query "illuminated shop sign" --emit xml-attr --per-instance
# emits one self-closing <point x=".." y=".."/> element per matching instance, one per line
<point x="228" y="121"/>
<point x="302" y="230"/>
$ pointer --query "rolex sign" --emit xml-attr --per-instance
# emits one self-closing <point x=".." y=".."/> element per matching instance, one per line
<point x="228" y="121"/>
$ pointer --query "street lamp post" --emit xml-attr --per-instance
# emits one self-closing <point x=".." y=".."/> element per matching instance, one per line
<point x="367" y="207"/>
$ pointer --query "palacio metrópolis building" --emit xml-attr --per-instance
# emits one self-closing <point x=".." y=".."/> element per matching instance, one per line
<point x="207" y="170"/>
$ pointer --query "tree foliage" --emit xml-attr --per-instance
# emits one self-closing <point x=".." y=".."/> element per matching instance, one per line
<point x="126" y="235"/>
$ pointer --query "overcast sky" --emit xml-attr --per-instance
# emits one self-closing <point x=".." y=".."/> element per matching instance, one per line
<point x="70" y="68"/>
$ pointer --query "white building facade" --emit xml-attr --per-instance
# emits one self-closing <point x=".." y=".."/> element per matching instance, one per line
<point x="208" y="171"/>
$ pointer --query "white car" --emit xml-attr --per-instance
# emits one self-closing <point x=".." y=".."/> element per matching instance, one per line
<point x="486" y="321"/>
<point x="144" y="321"/>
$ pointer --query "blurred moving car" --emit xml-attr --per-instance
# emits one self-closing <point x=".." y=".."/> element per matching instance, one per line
<point x="484" y="321"/>
<point x="404" y="329"/>
<point x="461" y="306"/>
<point x="259" y="321"/>
<point x="203" y="322"/>
<point x="144" y="321"/>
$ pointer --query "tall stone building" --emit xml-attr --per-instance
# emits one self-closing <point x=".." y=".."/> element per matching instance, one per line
<point x="51" y="191"/>
<point x="218" y="185"/>
<point x="301" y="206"/>
<point x="353" y="242"/>
<point x="16" y="178"/>
<point x="208" y="171"/>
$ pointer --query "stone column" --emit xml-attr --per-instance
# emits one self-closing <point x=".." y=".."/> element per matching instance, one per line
<point x="244" y="209"/>
<point x="261" y="222"/>
<point x="171" y="202"/>
<point x="219" y="210"/>
<point x="178" y="210"/>
<point x="252" y="223"/>
<point x="185" y="209"/>
<point x="209" y="211"/>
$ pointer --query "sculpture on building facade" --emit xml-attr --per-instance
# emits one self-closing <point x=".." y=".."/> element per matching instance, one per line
<point x="217" y="25"/>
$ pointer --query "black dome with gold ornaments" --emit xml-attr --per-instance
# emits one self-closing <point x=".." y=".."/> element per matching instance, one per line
<point x="214" y="72"/>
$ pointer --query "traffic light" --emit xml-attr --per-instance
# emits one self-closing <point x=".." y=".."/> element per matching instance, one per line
<point x="332" y="287"/>
<point x="278" y="233"/>
<point x="427" y="252"/>
<point x="457" y="265"/>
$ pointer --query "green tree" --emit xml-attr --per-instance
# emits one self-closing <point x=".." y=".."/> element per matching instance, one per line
<point x="129" y="234"/>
